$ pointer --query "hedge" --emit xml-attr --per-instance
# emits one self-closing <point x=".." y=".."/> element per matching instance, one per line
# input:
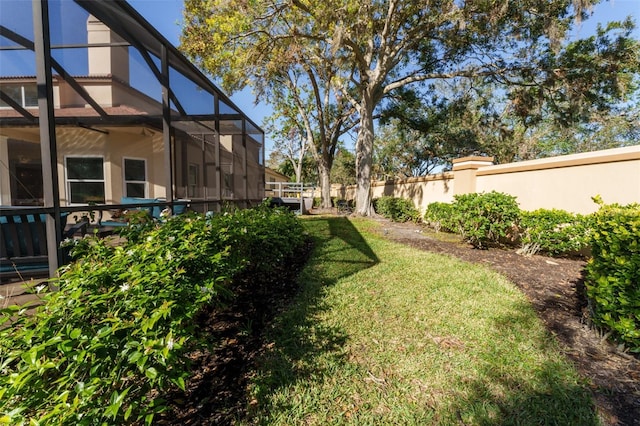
<point x="613" y="273"/>
<point x="107" y="345"/>
<point x="396" y="209"/>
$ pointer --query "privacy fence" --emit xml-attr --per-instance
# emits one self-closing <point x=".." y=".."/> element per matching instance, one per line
<point x="565" y="182"/>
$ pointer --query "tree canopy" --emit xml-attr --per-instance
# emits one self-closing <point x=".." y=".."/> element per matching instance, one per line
<point x="352" y="54"/>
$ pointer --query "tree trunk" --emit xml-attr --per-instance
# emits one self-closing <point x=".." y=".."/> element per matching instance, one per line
<point x="298" y="168"/>
<point x="364" y="157"/>
<point x="325" y="185"/>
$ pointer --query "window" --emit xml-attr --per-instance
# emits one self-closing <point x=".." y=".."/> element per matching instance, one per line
<point x="135" y="178"/>
<point x="85" y="180"/>
<point x="25" y="95"/>
<point x="194" y="180"/>
<point x="227" y="180"/>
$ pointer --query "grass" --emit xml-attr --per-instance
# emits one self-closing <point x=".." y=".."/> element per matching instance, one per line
<point x="384" y="334"/>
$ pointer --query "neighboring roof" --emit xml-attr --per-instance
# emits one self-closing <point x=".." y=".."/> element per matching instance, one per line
<point x="269" y="171"/>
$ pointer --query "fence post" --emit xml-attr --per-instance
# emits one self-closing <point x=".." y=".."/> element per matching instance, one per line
<point x="464" y="173"/>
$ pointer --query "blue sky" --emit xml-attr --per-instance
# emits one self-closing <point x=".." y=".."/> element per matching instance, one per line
<point x="166" y="16"/>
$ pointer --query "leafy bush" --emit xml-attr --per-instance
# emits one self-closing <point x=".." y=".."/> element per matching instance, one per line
<point x="613" y="273"/>
<point x="439" y="216"/>
<point x="396" y="209"/>
<point x="485" y="218"/>
<point x="259" y="239"/>
<point x="105" y="346"/>
<point x="553" y="231"/>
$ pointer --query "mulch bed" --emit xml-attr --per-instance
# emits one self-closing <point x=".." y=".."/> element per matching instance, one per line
<point x="217" y="392"/>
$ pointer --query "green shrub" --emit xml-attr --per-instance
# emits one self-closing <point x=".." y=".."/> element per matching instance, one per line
<point x="259" y="239"/>
<point x="554" y="232"/>
<point x="396" y="209"/>
<point x="106" y="346"/>
<point x="439" y="216"/>
<point x="485" y="218"/>
<point x="613" y="273"/>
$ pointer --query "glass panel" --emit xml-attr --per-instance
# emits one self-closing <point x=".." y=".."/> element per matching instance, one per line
<point x="87" y="192"/>
<point x="30" y="95"/>
<point x="16" y="15"/>
<point x="17" y="62"/>
<point x="14" y="91"/>
<point x="227" y="109"/>
<point x="143" y="80"/>
<point x="194" y="180"/>
<point x="136" y="190"/>
<point x="134" y="170"/>
<point x="25" y="177"/>
<point x="194" y="99"/>
<point x="210" y="175"/>
<point x="85" y="168"/>
<point x="69" y="27"/>
<point x="231" y="127"/>
<point x="73" y="61"/>
<point x="190" y="157"/>
<point x="68" y="23"/>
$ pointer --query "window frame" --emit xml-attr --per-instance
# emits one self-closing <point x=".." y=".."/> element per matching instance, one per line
<point x="192" y="188"/>
<point x="68" y="181"/>
<point x="22" y="101"/>
<point x="124" y="176"/>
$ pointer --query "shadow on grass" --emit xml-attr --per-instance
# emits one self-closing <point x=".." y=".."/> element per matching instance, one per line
<point x="298" y="338"/>
<point x="553" y="394"/>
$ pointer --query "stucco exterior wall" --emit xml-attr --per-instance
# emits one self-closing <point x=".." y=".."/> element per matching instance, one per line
<point x="114" y="147"/>
<point x="568" y="182"/>
<point x="565" y="182"/>
<point x="422" y="190"/>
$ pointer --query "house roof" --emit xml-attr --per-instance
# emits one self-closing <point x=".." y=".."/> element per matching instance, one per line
<point x="76" y="112"/>
<point x="131" y="26"/>
<point x="270" y="171"/>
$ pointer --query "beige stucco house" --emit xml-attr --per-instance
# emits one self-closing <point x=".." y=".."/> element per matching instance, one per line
<point x="98" y="108"/>
<point x="114" y="147"/>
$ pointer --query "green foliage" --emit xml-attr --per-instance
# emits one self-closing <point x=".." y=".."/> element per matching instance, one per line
<point x="396" y="209"/>
<point x="613" y="273"/>
<point x="553" y="232"/>
<point x="439" y="216"/>
<point x="105" y="346"/>
<point x="344" y="168"/>
<point x="422" y="131"/>
<point x="485" y="218"/>
<point x="259" y="239"/>
<point x="318" y="51"/>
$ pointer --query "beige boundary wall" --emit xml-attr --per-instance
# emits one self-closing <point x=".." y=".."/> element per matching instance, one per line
<point x="566" y="182"/>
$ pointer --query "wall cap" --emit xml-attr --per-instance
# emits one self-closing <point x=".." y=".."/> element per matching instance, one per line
<point x="471" y="162"/>
<point x="572" y="160"/>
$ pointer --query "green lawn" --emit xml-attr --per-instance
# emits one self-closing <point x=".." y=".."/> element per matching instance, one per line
<point x="386" y="334"/>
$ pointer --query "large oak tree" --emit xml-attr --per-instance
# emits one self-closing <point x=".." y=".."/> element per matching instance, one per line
<point x="356" y="52"/>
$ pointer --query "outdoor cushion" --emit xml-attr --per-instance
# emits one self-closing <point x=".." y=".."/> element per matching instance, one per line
<point x="151" y="210"/>
<point x="5" y="225"/>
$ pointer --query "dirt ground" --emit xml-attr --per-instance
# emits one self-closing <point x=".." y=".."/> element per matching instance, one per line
<point x="217" y="392"/>
<point x="555" y="288"/>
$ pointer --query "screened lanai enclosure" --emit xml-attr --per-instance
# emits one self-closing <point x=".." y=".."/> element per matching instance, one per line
<point x="99" y="112"/>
